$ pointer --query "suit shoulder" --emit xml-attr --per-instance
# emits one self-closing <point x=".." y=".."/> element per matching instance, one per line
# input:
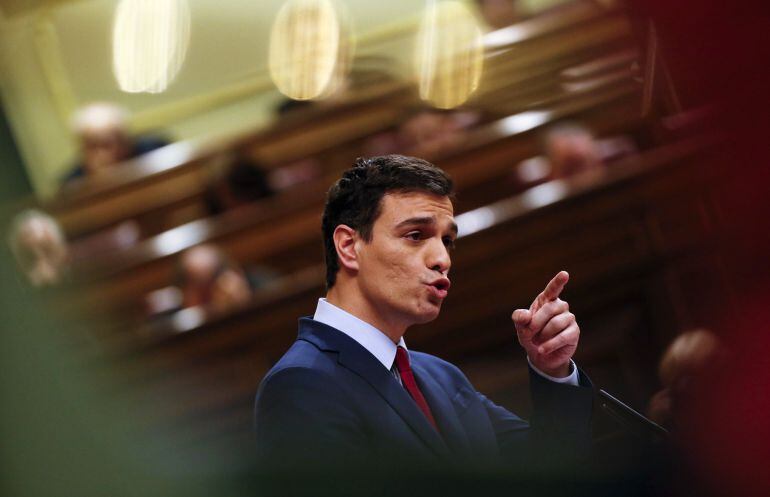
<point x="301" y="355"/>
<point x="297" y="388"/>
<point x="301" y="385"/>
<point x="291" y="378"/>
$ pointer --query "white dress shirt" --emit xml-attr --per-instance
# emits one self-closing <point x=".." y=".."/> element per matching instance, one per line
<point x="382" y="347"/>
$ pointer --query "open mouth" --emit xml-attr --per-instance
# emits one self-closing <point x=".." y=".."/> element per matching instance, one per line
<point x="440" y="287"/>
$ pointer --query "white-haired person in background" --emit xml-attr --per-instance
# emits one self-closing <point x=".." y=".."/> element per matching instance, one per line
<point x="571" y="149"/>
<point x="39" y="247"/>
<point x="102" y="131"/>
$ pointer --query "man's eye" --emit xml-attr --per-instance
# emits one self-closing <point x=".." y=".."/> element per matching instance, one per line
<point x="414" y="235"/>
<point x="449" y="242"/>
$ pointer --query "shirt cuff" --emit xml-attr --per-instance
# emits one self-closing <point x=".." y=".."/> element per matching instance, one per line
<point x="572" y="379"/>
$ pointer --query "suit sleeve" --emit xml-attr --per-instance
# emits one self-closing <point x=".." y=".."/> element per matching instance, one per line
<point x="303" y="418"/>
<point x="560" y="427"/>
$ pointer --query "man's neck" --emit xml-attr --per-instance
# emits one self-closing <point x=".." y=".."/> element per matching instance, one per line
<point x="352" y="303"/>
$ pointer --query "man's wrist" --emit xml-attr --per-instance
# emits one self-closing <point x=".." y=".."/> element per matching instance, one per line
<point x="572" y="377"/>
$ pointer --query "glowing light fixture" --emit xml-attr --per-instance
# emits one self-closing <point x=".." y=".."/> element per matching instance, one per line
<point x="305" y="46"/>
<point x="149" y="43"/>
<point x="450" y="54"/>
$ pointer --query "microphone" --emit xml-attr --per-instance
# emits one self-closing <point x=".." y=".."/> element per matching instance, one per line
<point x="631" y="419"/>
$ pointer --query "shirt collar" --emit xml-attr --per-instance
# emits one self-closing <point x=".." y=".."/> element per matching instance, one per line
<point x="369" y="337"/>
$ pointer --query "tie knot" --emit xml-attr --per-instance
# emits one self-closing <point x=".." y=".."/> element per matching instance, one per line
<point x="402" y="360"/>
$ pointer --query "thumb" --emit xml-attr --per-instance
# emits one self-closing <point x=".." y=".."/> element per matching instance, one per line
<point x="521" y="317"/>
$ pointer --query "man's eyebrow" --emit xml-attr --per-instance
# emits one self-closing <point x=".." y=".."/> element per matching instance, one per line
<point x="422" y="221"/>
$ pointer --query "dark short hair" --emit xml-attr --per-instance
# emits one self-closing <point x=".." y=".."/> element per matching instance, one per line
<point x="248" y="181"/>
<point x="355" y="199"/>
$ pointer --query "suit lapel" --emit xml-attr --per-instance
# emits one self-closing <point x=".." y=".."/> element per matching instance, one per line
<point x="443" y="411"/>
<point x="357" y="359"/>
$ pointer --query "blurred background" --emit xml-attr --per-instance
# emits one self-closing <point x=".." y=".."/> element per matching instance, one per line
<point x="165" y="164"/>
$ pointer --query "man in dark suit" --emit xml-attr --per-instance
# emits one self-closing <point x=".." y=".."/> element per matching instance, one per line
<point x="349" y="392"/>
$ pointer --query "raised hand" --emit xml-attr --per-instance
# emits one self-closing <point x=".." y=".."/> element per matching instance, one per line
<point x="547" y="330"/>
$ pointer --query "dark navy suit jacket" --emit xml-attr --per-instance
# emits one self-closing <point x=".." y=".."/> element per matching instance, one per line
<point x="329" y="400"/>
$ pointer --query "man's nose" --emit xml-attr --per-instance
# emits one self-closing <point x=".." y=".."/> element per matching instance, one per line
<point x="438" y="257"/>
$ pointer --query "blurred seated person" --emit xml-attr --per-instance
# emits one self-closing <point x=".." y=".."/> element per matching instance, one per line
<point x="428" y="133"/>
<point x="39" y="247"/>
<point x="44" y="254"/>
<point x="294" y="173"/>
<point x="104" y="138"/>
<point x="290" y="107"/>
<point x="498" y="13"/>
<point x="243" y="182"/>
<point x="684" y="368"/>
<point x="299" y="170"/>
<point x="246" y="181"/>
<point x="206" y="277"/>
<point x="571" y="149"/>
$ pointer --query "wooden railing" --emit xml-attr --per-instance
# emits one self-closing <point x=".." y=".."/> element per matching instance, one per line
<point x="283" y="232"/>
<point x="164" y="188"/>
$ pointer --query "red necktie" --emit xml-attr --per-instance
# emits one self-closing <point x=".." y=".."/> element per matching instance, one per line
<point x="407" y="378"/>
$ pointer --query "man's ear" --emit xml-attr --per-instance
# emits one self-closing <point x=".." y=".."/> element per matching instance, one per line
<point x="345" y="241"/>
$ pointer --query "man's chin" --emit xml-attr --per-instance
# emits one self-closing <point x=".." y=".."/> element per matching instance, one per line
<point x="429" y="315"/>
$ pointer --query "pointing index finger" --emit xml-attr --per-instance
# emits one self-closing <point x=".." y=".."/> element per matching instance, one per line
<point x="555" y="286"/>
